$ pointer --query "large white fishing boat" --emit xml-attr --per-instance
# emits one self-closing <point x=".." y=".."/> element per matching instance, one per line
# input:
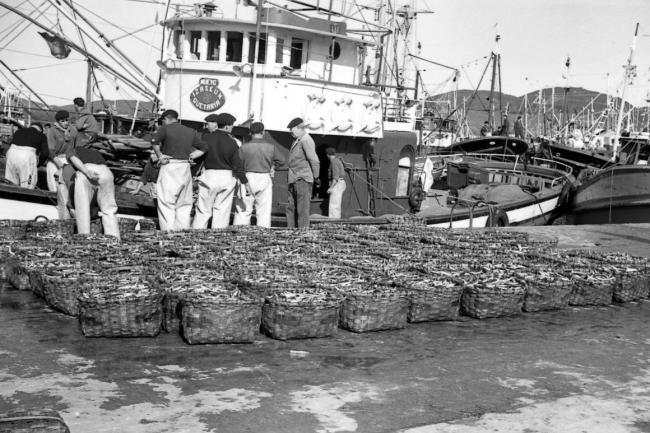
<point x="272" y="63"/>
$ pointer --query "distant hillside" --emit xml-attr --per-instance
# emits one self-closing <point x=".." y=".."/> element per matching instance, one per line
<point x="580" y="103"/>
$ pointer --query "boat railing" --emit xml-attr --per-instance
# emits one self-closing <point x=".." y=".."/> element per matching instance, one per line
<point x="564" y="170"/>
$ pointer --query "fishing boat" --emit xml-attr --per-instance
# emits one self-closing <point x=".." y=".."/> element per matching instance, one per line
<point x="276" y="63"/>
<point x="619" y="193"/>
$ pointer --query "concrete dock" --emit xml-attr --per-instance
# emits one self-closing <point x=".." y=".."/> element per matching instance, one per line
<point x="574" y="370"/>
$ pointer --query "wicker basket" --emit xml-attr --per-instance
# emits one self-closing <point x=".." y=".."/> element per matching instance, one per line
<point x="214" y="320"/>
<point x="592" y="292"/>
<point x="18" y="276"/>
<point x="368" y="311"/>
<point x="481" y="302"/>
<point x="36" y="282"/>
<point x="172" y="307"/>
<point x="61" y="288"/>
<point x="50" y="229"/>
<point x="440" y="302"/>
<point x="139" y="315"/>
<point x="284" y="319"/>
<point x="33" y="421"/>
<point x="547" y="295"/>
<point x="630" y="287"/>
<point x="13" y="229"/>
<point x="146" y="224"/>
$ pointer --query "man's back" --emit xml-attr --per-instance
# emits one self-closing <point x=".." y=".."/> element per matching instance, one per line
<point x="258" y="155"/>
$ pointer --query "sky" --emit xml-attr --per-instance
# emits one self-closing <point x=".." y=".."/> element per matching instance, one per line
<point x="536" y="38"/>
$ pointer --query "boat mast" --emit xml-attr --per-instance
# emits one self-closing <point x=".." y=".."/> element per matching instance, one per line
<point x="629" y="72"/>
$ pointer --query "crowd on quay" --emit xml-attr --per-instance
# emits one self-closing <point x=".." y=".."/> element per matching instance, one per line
<point x="78" y="172"/>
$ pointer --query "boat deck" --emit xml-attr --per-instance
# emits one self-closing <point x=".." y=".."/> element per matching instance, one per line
<point x="586" y="367"/>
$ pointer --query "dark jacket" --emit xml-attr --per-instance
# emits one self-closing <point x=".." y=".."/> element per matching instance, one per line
<point x="223" y="154"/>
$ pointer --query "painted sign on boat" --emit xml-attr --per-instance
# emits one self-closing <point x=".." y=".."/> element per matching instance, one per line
<point x="207" y="96"/>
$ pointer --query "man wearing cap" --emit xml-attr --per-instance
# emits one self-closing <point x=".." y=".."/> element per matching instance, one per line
<point x="304" y="170"/>
<point x="505" y="126"/>
<point x="176" y="146"/>
<point x="86" y="124"/>
<point x="28" y="150"/>
<point x="222" y="169"/>
<point x="259" y="157"/>
<point x="92" y="177"/>
<point x="60" y="139"/>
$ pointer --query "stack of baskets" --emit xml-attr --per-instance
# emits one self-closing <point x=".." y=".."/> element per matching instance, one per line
<point x="300" y="313"/>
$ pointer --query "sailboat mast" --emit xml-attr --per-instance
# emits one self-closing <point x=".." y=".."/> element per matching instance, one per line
<point x="629" y="68"/>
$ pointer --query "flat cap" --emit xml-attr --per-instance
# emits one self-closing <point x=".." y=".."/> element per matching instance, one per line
<point x="212" y="117"/>
<point x="169" y="113"/>
<point x="225" y="119"/>
<point x="256" y="127"/>
<point x="295" y="122"/>
<point x="61" y="115"/>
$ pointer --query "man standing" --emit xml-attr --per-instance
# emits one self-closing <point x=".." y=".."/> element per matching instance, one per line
<point x="86" y="124"/>
<point x="222" y="169"/>
<point x="176" y="146"/>
<point x="520" y="131"/>
<point x="60" y="139"/>
<point x="93" y="177"/>
<point x="505" y="126"/>
<point x="485" y="129"/>
<point x="304" y="170"/>
<point x="28" y="150"/>
<point x="259" y="157"/>
<point x="337" y="183"/>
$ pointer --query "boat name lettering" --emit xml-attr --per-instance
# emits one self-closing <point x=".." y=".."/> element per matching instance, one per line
<point x="207" y="96"/>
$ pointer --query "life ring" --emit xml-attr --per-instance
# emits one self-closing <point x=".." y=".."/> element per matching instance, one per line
<point x="498" y="218"/>
<point x="416" y="198"/>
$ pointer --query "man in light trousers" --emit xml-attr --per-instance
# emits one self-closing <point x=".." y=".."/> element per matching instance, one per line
<point x="304" y="171"/>
<point x="259" y="157"/>
<point x="28" y="150"/>
<point x="223" y="168"/>
<point x="93" y="177"/>
<point x="176" y="147"/>
<point x="337" y="183"/>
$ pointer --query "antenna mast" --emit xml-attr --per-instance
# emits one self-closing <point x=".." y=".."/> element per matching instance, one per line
<point x="629" y="75"/>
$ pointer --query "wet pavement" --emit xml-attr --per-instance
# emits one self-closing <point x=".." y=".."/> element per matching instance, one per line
<point x="575" y="370"/>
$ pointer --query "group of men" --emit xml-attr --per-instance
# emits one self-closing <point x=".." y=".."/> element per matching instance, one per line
<point x="77" y="172"/>
<point x="504" y="130"/>
<point x="232" y="170"/>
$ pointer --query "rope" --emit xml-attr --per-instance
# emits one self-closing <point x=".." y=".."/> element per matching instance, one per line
<point x="379" y="191"/>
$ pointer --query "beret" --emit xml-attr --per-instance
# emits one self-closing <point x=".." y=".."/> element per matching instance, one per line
<point x="257" y="127"/>
<point x="225" y="119"/>
<point x="62" y="115"/>
<point x="295" y="122"/>
<point x="212" y="118"/>
<point x="170" y="113"/>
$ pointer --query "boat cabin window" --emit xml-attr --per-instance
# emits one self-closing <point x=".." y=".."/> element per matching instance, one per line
<point x="279" y="50"/>
<point x="234" y="45"/>
<point x="214" y="42"/>
<point x="195" y="39"/>
<point x="261" y="55"/>
<point x="296" y="53"/>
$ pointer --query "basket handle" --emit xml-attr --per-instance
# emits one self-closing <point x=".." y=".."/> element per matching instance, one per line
<point x="39" y="217"/>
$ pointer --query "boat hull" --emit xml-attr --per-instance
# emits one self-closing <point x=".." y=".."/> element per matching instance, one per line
<point x="617" y="195"/>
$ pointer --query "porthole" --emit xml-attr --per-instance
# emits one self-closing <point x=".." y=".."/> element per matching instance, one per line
<point x="335" y="50"/>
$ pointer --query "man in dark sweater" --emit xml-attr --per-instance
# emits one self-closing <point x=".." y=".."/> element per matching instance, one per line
<point x="176" y="146"/>
<point x="222" y="169"/>
<point x="93" y="177"/>
<point x="28" y="150"/>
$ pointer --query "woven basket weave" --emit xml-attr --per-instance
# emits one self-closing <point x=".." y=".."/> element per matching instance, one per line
<point x="630" y="288"/>
<point x="13" y="229"/>
<point x="206" y="320"/>
<point x="61" y="288"/>
<point x="586" y="292"/>
<point x="435" y="303"/>
<point x="137" y="316"/>
<point x="36" y="282"/>
<point x="50" y="229"/>
<point x="171" y="311"/>
<point x="482" y="302"/>
<point x="33" y="421"/>
<point x="18" y="276"/>
<point x="545" y="295"/>
<point x="285" y="321"/>
<point x="374" y="312"/>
